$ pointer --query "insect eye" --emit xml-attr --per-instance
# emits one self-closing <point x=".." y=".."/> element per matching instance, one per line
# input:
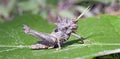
<point x="56" y="30"/>
<point x="66" y="27"/>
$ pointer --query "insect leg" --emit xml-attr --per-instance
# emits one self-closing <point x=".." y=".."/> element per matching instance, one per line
<point x="43" y="36"/>
<point x="78" y="36"/>
<point x="59" y="45"/>
<point x="42" y="45"/>
<point x="47" y="40"/>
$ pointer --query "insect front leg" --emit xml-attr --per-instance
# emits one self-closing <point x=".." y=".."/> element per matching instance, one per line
<point x="78" y="36"/>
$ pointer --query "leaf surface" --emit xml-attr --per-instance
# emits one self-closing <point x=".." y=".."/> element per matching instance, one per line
<point x="101" y="34"/>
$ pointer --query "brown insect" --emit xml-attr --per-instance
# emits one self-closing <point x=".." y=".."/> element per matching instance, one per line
<point x="64" y="28"/>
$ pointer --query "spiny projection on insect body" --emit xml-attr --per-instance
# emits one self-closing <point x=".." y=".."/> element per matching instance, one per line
<point x="64" y="28"/>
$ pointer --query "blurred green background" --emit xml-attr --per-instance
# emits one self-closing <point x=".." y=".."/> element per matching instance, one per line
<point x="100" y="26"/>
<point x="50" y="9"/>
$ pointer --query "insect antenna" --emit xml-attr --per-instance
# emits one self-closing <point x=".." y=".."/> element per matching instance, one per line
<point x="85" y="11"/>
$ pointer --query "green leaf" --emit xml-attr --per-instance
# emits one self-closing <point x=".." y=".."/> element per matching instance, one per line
<point x="115" y="23"/>
<point x="101" y="35"/>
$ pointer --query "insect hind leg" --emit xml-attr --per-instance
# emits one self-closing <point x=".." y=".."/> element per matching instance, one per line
<point x="42" y="45"/>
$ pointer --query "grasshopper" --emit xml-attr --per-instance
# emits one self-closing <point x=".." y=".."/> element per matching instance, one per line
<point x="65" y="27"/>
